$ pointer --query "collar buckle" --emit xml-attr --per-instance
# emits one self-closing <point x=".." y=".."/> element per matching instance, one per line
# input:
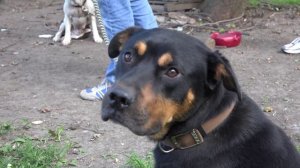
<point x="187" y="140"/>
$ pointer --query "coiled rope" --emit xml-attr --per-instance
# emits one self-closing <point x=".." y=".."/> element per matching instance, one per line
<point x="100" y="22"/>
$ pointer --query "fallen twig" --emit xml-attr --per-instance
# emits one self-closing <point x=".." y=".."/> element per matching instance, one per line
<point x="215" y="23"/>
<point x="78" y="158"/>
<point x="6" y="47"/>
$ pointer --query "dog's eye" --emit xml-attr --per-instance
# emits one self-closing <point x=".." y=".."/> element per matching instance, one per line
<point x="127" y="57"/>
<point x="172" y="72"/>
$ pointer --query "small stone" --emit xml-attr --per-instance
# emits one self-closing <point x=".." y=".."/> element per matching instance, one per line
<point x="14" y="63"/>
<point x="268" y="109"/>
<point x="38" y="122"/>
<point x="45" y="35"/>
<point x="44" y="110"/>
<point x="95" y="136"/>
<point x="74" y="126"/>
<point x="75" y="151"/>
<point x="179" y="28"/>
<point x="192" y="21"/>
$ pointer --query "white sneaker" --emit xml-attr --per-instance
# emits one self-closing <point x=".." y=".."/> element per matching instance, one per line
<point x="293" y="47"/>
<point x="95" y="93"/>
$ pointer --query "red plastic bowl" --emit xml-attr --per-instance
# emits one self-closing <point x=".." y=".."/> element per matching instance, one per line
<point x="228" y="39"/>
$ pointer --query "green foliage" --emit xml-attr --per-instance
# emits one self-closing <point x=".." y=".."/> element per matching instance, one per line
<point x="137" y="161"/>
<point x="5" y="128"/>
<point x="256" y="3"/>
<point x="284" y="2"/>
<point x="26" y="124"/>
<point x="27" y="153"/>
<point x="57" y="133"/>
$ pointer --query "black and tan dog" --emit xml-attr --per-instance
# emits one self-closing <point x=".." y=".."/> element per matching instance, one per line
<point x="173" y="89"/>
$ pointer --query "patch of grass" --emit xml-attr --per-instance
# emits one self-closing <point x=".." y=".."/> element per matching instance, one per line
<point x="284" y="2"/>
<point x="57" y="133"/>
<point x="256" y="3"/>
<point x="5" y="128"/>
<point x="28" y="153"/>
<point x="137" y="161"/>
<point x="298" y="148"/>
<point x="26" y="124"/>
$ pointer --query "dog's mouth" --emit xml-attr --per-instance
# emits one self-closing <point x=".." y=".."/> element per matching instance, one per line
<point x="136" y="121"/>
<point x="144" y="112"/>
<point x="132" y="109"/>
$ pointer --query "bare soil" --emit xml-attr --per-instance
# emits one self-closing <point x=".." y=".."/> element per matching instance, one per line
<point x="39" y="75"/>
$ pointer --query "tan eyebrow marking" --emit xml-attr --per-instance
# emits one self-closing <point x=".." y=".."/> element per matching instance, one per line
<point x="141" y="47"/>
<point x="165" y="59"/>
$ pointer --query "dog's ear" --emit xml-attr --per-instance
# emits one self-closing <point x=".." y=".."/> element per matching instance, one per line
<point x="219" y="69"/>
<point x="117" y="42"/>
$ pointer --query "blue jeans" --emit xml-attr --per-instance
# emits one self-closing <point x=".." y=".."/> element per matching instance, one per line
<point x="120" y="14"/>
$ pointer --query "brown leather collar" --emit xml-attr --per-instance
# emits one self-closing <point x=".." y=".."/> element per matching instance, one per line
<point x="196" y="135"/>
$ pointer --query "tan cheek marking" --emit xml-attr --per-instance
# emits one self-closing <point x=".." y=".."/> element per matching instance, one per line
<point x="141" y="47"/>
<point x="166" y="110"/>
<point x="163" y="110"/>
<point x="189" y="98"/>
<point x="165" y="59"/>
<point x="159" y="109"/>
<point x="186" y="106"/>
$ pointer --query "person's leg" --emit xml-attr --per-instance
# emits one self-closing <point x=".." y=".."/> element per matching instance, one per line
<point x="143" y="14"/>
<point x="126" y="14"/>
<point x="117" y="16"/>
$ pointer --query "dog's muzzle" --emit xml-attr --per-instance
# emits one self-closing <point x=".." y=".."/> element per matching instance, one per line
<point x="116" y="100"/>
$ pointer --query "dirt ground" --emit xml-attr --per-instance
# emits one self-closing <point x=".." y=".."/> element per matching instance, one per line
<point x="37" y="74"/>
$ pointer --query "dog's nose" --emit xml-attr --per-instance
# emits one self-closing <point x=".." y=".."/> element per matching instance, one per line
<point x="116" y="100"/>
<point x="120" y="99"/>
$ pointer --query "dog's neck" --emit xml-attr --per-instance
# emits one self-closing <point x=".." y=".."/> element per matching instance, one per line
<point x="205" y="120"/>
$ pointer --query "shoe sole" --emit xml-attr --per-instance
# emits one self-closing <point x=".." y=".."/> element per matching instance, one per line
<point x="85" y="96"/>
<point x="292" y="51"/>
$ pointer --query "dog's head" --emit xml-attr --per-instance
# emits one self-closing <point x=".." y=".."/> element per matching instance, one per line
<point x="161" y="76"/>
<point x="77" y="2"/>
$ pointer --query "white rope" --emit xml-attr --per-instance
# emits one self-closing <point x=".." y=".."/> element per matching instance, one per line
<point x="101" y="25"/>
<point x="100" y="22"/>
